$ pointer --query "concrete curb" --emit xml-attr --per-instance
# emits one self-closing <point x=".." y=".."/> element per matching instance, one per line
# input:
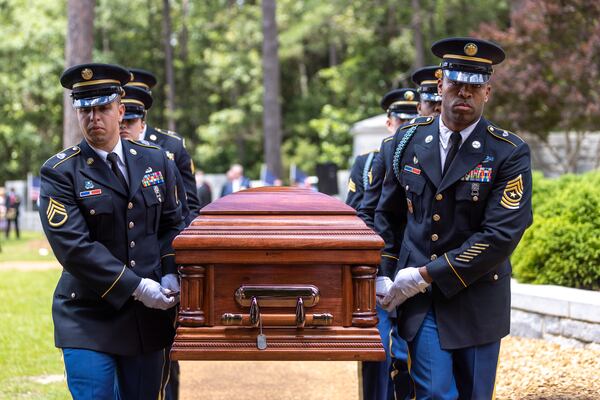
<point x="557" y="314"/>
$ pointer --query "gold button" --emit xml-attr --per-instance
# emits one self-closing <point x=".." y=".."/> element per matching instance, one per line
<point x="131" y="224"/>
<point x="132" y="244"/>
<point x="433" y="257"/>
<point x="434" y="237"/>
<point x="130" y="205"/>
<point x="436" y="217"/>
<point x="495" y="277"/>
<point x="439" y="197"/>
<point x="92" y="212"/>
<point x="132" y="263"/>
<point x="475" y="198"/>
<point x="73" y="295"/>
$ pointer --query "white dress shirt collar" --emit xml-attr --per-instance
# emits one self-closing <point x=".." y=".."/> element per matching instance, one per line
<point x="445" y="133"/>
<point x="117" y="149"/>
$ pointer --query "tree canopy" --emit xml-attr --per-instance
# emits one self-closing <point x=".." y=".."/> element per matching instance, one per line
<point x="337" y="58"/>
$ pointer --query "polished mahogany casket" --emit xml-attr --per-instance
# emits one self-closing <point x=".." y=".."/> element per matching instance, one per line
<point x="277" y="274"/>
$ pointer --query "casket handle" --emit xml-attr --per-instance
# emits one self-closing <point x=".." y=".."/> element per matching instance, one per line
<point x="277" y="295"/>
<point x="316" y="319"/>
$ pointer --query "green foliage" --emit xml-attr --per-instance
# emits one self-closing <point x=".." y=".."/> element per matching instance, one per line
<point x="337" y="58"/>
<point x="562" y="247"/>
<point x="26" y="336"/>
<point x="32" y="55"/>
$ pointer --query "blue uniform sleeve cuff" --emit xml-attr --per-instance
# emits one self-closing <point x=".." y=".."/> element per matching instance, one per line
<point x="445" y="276"/>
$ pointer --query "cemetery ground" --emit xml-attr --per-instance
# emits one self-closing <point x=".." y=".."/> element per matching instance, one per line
<point x="31" y="367"/>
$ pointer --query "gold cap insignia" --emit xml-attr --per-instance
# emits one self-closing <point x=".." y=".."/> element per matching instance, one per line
<point x="87" y="74"/>
<point x="471" y="49"/>
<point x="409" y="96"/>
<point x="513" y="193"/>
<point x="56" y="213"/>
<point x="438" y="73"/>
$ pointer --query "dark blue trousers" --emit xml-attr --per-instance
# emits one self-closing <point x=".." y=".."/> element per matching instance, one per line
<point x="468" y="373"/>
<point x="92" y="375"/>
<point x="380" y="380"/>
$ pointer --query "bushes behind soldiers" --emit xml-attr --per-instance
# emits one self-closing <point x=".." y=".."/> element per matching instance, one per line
<point x="562" y="247"/>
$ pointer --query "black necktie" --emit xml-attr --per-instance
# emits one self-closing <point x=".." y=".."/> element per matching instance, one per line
<point x="455" y="139"/>
<point x="113" y="160"/>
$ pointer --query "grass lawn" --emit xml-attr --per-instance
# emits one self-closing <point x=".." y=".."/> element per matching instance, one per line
<point x="27" y="248"/>
<point x="26" y="335"/>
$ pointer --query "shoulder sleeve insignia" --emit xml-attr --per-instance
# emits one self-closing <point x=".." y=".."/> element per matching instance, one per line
<point x="513" y="194"/>
<point x="418" y="121"/>
<point x="505" y="135"/>
<point x="56" y="213"/>
<point x="142" y="144"/>
<point x="351" y="186"/>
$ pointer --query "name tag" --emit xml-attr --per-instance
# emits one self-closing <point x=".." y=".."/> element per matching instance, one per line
<point x="89" y="193"/>
<point x="412" y="170"/>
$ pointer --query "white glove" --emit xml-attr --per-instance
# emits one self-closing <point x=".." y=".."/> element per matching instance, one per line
<point x="382" y="287"/>
<point x="408" y="282"/>
<point x="152" y="295"/>
<point x="171" y="282"/>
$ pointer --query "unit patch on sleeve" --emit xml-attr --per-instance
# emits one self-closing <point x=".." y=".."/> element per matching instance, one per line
<point x="478" y="174"/>
<point x="56" y="213"/>
<point x="513" y="194"/>
<point x="153" y="178"/>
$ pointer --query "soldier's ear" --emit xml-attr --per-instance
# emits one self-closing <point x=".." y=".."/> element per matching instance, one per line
<point x="488" y="91"/>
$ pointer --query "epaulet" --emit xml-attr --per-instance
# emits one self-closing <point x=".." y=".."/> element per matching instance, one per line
<point x="168" y="133"/>
<point x="63" y="156"/>
<point x="417" y="121"/>
<point x="387" y="139"/>
<point x="504" y="135"/>
<point x="369" y="152"/>
<point x="141" y="144"/>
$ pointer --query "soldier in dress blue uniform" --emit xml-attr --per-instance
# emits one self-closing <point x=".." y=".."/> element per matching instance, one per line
<point x="171" y="142"/>
<point x="459" y="192"/>
<point x="110" y="214"/>
<point x="430" y="101"/>
<point x="366" y="178"/>
<point x="137" y="101"/>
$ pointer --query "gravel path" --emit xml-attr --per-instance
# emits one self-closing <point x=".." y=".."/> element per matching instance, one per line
<point x="529" y="369"/>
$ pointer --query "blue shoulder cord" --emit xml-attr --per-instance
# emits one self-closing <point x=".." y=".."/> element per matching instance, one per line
<point x="367" y="167"/>
<point x="400" y="150"/>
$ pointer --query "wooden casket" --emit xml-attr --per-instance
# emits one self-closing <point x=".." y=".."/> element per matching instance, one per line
<point x="297" y="265"/>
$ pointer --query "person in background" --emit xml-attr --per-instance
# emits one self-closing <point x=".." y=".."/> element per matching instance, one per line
<point x="236" y="180"/>
<point x="12" y="203"/>
<point x="204" y="189"/>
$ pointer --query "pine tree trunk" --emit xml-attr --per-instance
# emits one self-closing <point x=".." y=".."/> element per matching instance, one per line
<point x="271" y="79"/>
<point x="170" y="76"/>
<point x="78" y="49"/>
<point x="418" y="34"/>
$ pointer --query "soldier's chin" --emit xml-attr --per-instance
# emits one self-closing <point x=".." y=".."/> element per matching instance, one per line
<point x="126" y="135"/>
